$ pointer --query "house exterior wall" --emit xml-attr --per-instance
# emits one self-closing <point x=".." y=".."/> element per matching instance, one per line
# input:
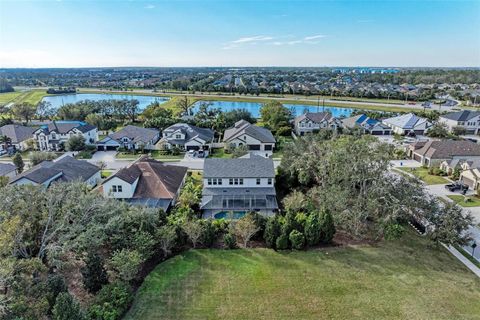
<point x="127" y="189"/>
<point x="245" y="139"/>
<point x="308" y="126"/>
<point x="52" y="141"/>
<point x="94" y="180"/>
<point x="472" y="126"/>
<point x="247" y="183"/>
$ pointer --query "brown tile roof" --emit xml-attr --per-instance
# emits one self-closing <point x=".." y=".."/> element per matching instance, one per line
<point x="448" y="149"/>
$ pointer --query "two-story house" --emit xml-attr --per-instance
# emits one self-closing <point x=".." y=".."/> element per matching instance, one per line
<point x="66" y="169"/>
<point x="314" y="121"/>
<point x="52" y="136"/>
<point x="259" y="141"/>
<point x="19" y="135"/>
<point x="407" y="123"/>
<point x="130" y="137"/>
<point x="146" y="182"/>
<point x="233" y="187"/>
<point x="187" y="137"/>
<point x="469" y="120"/>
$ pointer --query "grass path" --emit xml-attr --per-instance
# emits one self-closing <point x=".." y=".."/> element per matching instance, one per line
<point x="403" y="279"/>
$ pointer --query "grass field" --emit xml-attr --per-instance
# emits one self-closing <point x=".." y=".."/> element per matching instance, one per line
<point x="31" y="96"/>
<point x="422" y="174"/>
<point x="402" y="279"/>
<point x="7" y="97"/>
<point x="460" y="200"/>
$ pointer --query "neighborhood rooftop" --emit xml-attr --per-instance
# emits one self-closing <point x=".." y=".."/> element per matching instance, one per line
<point x="17" y="132"/>
<point x="136" y="134"/>
<point x="259" y="133"/>
<point x="449" y="148"/>
<point x="463" y="115"/>
<point x="252" y="167"/>
<point x="406" y="121"/>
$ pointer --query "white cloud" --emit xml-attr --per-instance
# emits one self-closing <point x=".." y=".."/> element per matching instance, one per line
<point x="313" y="39"/>
<point x="150" y="6"/>
<point x="252" y="39"/>
<point x="318" y="36"/>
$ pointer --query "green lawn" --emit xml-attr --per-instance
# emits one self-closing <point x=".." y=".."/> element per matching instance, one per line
<point x="403" y="279"/>
<point x="219" y="153"/>
<point x="7" y="97"/>
<point x="422" y="174"/>
<point x="106" y="173"/>
<point x="460" y="200"/>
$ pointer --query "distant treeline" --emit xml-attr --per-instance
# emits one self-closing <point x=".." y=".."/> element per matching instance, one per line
<point x="5" y="86"/>
<point x="61" y="90"/>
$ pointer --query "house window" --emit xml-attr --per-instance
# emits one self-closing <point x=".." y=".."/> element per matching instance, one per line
<point x="209" y="182"/>
<point x="235" y="181"/>
<point x="240" y="181"/>
<point x="268" y="147"/>
<point x="230" y="181"/>
<point x="54" y="136"/>
<point x="269" y="181"/>
<point x="119" y="189"/>
<point x="220" y="181"/>
<point x="116" y="188"/>
<point x="178" y="136"/>
<point x="259" y="180"/>
<point x="309" y="125"/>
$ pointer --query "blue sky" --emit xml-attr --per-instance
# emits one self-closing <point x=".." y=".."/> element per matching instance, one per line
<point x="239" y="33"/>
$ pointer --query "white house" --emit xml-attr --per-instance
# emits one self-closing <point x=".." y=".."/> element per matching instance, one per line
<point x="407" y="123"/>
<point x="469" y="120"/>
<point x="130" y="137"/>
<point x="52" y="136"/>
<point x="314" y="121"/>
<point x="259" y="141"/>
<point x="146" y="182"/>
<point x="369" y="125"/>
<point x="19" y="135"/>
<point x="66" y="169"/>
<point x="238" y="186"/>
<point x="187" y="137"/>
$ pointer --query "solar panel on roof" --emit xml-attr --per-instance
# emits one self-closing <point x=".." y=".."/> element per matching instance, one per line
<point x="361" y="118"/>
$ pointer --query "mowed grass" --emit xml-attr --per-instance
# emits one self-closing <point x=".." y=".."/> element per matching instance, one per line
<point x="32" y="96"/>
<point x="402" y="279"/>
<point x="7" y="97"/>
<point x="422" y="174"/>
<point x="460" y="200"/>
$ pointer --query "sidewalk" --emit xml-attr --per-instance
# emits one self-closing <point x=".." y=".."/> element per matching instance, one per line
<point x="464" y="260"/>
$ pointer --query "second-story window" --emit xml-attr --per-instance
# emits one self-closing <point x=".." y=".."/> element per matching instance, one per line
<point x="178" y="136"/>
<point x="230" y="181"/>
<point x="220" y="181"/>
<point x="259" y="180"/>
<point x="269" y="181"/>
<point x="209" y="181"/>
<point x="240" y="181"/>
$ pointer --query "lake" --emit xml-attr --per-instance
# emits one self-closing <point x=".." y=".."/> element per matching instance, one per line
<point x="59" y="100"/>
<point x="254" y="108"/>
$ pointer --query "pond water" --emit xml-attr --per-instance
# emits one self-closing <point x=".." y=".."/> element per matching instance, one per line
<point x="59" y="100"/>
<point x="254" y="108"/>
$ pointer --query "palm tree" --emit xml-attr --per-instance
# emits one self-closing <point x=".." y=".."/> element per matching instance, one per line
<point x="5" y="141"/>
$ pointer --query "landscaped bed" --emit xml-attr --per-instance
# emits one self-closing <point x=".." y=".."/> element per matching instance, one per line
<point x="402" y="279"/>
<point x="472" y="201"/>
<point x="422" y="174"/>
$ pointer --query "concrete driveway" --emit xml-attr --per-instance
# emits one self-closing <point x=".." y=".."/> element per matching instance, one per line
<point x="105" y="156"/>
<point x="405" y="163"/>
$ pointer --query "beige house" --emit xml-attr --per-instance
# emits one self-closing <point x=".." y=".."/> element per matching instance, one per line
<point x="471" y="178"/>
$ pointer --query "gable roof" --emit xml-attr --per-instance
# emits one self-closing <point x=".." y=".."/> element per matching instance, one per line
<point x="244" y="127"/>
<point x="365" y="122"/>
<point x="63" y="127"/>
<point x="191" y="132"/>
<point x="407" y="121"/>
<point x="136" y="134"/>
<point x="70" y="169"/>
<point x="448" y="149"/>
<point x="157" y="180"/>
<point x="463" y="115"/>
<point x="17" y="132"/>
<point x="6" y="168"/>
<point x="316" y="117"/>
<point x="253" y="167"/>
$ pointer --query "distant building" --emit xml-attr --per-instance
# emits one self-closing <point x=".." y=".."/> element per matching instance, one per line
<point x="314" y="121"/>
<point x="407" y="123"/>
<point x="469" y="120"/>
<point x="259" y="141"/>
<point x="146" y="182"/>
<point x="19" y="135"/>
<point x="130" y="137"/>
<point x="52" y="136"/>
<point x="369" y="125"/>
<point x="187" y="137"/>
<point x="67" y="169"/>
<point x="237" y="186"/>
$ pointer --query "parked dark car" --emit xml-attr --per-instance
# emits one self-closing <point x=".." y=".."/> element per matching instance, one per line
<point x="457" y="186"/>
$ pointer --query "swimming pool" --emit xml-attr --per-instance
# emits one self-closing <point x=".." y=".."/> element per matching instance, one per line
<point x="229" y="215"/>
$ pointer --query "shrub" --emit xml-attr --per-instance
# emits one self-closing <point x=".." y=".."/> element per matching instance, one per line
<point x="327" y="227"/>
<point x="75" y="143"/>
<point x="66" y="308"/>
<point x="282" y="242"/>
<point x="125" y="264"/>
<point x="94" y="274"/>
<point x="209" y="235"/>
<point x="230" y="241"/>
<point x="313" y="229"/>
<point x="18" y="162"/>
<point x="55" y="286"/>
<point x="37" y="156"/>
<point x="111" y="302"/>
<point x="84" y="155"/>
<point x="394" y="231"/>
<point x="272" y="232"/>
<point x="297" y="239"/>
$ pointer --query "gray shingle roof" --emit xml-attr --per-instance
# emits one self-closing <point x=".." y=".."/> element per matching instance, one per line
<point x="406" y="121"/>
<point x="191" y="132"/>
<point x="316" y="117"/>
<point x="253" y="167"/>
<point x="6" y="168"/>
<point x="17" y="132"/>
<point x="136" y="134"/>
<point x="449" y="148"/>
<point x="262" y="134"/>
<point x="70" y="168"/>
<point x="63" y="127"/>
<point x="463" y="115"/>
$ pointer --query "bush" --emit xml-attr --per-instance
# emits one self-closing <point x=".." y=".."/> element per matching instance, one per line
<point x="66" y="308"/>
<point x="394" y="231"/>
<point x="94" y="274"/>
<point x="297" y="239"/>
<point x="313" y="230"/>
<point x="125" y="264"/>
<point x="230" y="241"/>
<point x="55" y="286"/>
<point x="272" y="232"/>
<point x="282" y="242"/>
<point x="38" y="156"/>
<point x="84" y="155"/>
<point x="209" y="235"/>
<point x="327" y="227"/>
<point x="75" y="143"/>
<point x="111" y="302"/>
